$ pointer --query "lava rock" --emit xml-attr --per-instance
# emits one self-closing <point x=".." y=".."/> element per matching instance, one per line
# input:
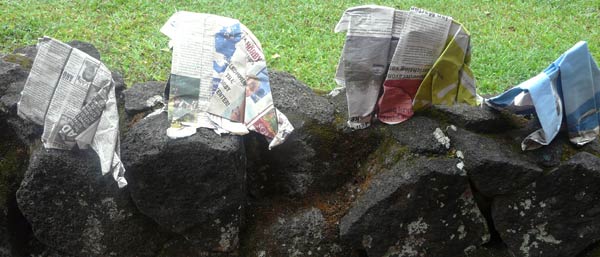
<point x="5" y="247"/>
<point x="27" y="51"/>
<point x="298" y="234"/>
<point x="417" y="134"/>
<point x="10" y="73"/>
<point x="493" y="167"/>
<point x="26" y="131"/>
<point x="193" y="186"/>
<point x="298" y="101"/>
<point x="297" y="166"/>
<point x="480" y="119"/>
<point x="74" y="209"/>
<point x="558" y="215"/>
<point x="119" y="85"/>
<point x="86" y="47"/>
<point x="143" y="97"/>
<point x="421" y="207"/>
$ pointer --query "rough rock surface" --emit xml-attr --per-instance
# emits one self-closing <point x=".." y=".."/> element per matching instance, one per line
<point x="306" y="159"/>
<point x="26" y="51"/>
<point x="557" y="215"/>
<point x="493" y="167"/>
<point x="5" y="247"/>
<point x="74" y="209"/>
<point x="417" y="134"/>
<point x="10" y="73"/>
<point x="142" y="97"/>
<point x="422" y="207"/>
<point x="86" y="48"/>
<point x="299" y="234"/>
<point x="481" y="119"/>
<point x="194" y="186"/>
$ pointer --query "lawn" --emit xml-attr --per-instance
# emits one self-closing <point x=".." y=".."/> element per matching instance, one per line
<point x="512" y="40"/>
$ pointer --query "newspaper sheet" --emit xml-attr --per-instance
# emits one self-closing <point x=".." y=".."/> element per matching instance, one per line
<point x="365" y="59"/>
<point x="396" y="50"/>
<point x="420" y="43"/>
<point x="219" y="79"/>
<point x="450" y="80"/>
<point x="72" y="95"/>
<point x="571" y="84"/>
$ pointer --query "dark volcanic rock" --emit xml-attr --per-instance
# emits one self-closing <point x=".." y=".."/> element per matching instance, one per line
<point x="5" y="247"/>
<point x="310" y="158"/>
<point x="299" y="234"/>
<point x="26" y="131"/>
<point x="481" y="119"/>
<point x="27" y="51"/>
<point x="298" y="101"/>
<point x="12" y="81"/>
<point x="558" y="215"/>
<point x="119" y="84"/>
<point x="193" y="186"/>
<point x="13" y="163"/>
<point x="86" y="47"/>
<point x="74" y="209"/>
<point x="142" y="97"/>
<point x="421" y="207"/>
<point x="10" y="73"/>
<point x="417" y="134"/>
<point x="493" y="167"/>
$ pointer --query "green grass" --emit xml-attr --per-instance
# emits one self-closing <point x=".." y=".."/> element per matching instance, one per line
<point x="512" y="40"/>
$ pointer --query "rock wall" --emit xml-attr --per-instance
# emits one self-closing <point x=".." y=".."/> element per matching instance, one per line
<point x="451" y="181"/>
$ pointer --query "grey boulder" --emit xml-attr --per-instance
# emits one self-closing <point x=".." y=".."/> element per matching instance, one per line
<point x="74" y="209"/>
<point x="420" y="207"/>
<point x="557" y="215"/>
<point x="193" y="186"/>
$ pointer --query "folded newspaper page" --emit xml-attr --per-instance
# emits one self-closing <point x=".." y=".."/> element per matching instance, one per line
<point x="219" y="79"/>
<point x="72" y="95"/>
<point x="395" y="50"/>
<point x="365" y="59"/>
<point x="571" y="84"/>
<point x="450" y="80"/>
<point x="421" y="41"/>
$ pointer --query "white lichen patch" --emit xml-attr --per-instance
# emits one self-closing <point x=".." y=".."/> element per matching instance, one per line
<point x="526" y="246"/>
<point x="366" y="241"/>
<point x="154" y="100"/>
<point x="535" y="237"/>
<point x="92" y="236"/>
<point x="526" y="204"/>
<point x="441" y="138"/>
<point x="411" y="247"/>
<point x="460" y="155"/>
<point x="543" y="235"/>
<point x="461" y="232"/>
<point x="417" y="227"/>
<point x="229" y="237"/>
<point x="112" y="209"/>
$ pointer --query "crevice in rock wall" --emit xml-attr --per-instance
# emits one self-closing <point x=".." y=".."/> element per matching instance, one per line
<point x="484" y="204"/>
<point x="19" y="230"/>
<point x="591" y="251"/>
<point x="13" y="162"/>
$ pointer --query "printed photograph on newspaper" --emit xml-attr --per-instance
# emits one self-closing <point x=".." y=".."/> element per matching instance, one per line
<point x="183" y="100"/>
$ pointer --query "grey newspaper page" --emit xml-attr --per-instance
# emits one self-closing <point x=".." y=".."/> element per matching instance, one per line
<point x="72" y="95"/>
<point x="219" y="79"/>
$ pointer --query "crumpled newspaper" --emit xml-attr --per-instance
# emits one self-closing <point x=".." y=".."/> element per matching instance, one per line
<point x="73" y="96"/>
<point x="394" y="59"/>
<point x="219" y="79"/>
<point x="571" y="84"/>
